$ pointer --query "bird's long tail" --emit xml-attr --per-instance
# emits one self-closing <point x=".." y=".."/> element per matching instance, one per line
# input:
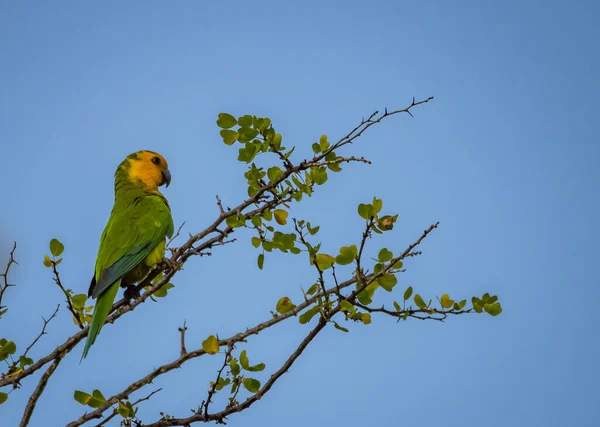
<point x="103" y="306"/>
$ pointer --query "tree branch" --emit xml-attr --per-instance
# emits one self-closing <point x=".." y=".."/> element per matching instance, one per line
<point x="67" y="296"/>
<point x="6" y="285"/>
<point x="43" y="330"/>
<point x="111" y="416"/>
<point x="197" y="244"/>
<point x="39" y="390"/>
<point x="219" y="417"/>
<point x="97" y="413"/>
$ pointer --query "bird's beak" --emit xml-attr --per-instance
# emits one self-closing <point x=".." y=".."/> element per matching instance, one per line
<point x="166" y="174"/>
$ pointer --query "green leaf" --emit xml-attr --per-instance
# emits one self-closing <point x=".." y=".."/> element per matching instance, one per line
<point x="95" y="400"/>
<point x="82" y="397"/>
<point x="316" y="148"/>
<point x="280" y="216"/>
<point x="311" y="230"/>
<point x="246" y="363"/>
<point x="341" y="328"/>
<point x="3" y="397"/>
<point x="226" y="121"/>
<point x="47" y="261"/>
<point x="234" y="367"/>
<point x="245" y="135"/>
<point x="312" y="289"/>
<point x="419" y="301"/>
<point x="408" y="293"/>
<point x="397" y="306"/>
<point x="477" y="304"/>
<point x="365" y="211"/>
<point x="377" y="204"/>
<point x="323" y="143"/>
<point x="222" y="382"/>
<point x="261" y="260"/>
<point x="324" y="261"/>
<point x="56" y="247"/>
<point x="229" y="136"/>
<point x="211" y="345"/>
<point x="284" y="305"/>
<point x="446" y="302"/>
<point x="319" y="175"/>
<point x="236" y="220"/>
<point x="162" y="292"/>
<point x="308" y="315"/>
<point x="97" y="394"/>
<point x="493" y="309"/>
<point x="78" y="301"/>
<point x="256" y="220"/>
<point x="462" y="304"/>
<point x="9" y="348"/>
<point x="384" y="255"/>
<point x="347" y="255"/>
<point x="277" y="143"/>
<point x="245" y="121"/>
<point x="274" y="173"/>
<point x="24" y="361"/>
<point x="387" y="282"/>
<point x="251" y="384"/>
<point x="366" y="296"/>
<point x="123" y="410"/>
<point x="256" y="242"/>
<point x="346" y="306"/>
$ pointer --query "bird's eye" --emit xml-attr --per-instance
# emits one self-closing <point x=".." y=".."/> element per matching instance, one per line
<point x="156" y="160"/>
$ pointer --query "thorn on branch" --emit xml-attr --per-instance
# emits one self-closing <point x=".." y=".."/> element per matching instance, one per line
<point x="220" y="204"/>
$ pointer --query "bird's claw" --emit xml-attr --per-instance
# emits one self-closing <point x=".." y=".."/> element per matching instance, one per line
<point x="131" y="293"/>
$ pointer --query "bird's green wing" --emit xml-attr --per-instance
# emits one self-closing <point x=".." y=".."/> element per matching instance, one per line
<point x="130" y="235"/>
<point x="132" y="232"/>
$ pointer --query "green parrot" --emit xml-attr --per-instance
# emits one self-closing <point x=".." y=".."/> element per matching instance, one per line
<point x="134" y="239"/>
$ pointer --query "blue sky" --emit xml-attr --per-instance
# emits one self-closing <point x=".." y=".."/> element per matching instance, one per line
<point x="505" y="158"/>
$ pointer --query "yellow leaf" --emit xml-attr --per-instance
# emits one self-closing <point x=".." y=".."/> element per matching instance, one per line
<point x="324" y="261"/>
<point x="47" y="261"/>
<point x="446" y="301"/>
<point x="284" y="305"/>
<point x="366" y="318"/>
<point x="280" y="216"/>
<point x="211" y="345"/>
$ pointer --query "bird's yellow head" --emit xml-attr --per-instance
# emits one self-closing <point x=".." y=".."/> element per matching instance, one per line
<point x="147" y="168"/>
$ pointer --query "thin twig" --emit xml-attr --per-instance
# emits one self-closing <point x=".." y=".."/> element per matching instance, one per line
<point x="43" y="330"/>
<point x="213" y="388"/>
<point x="11" y="261"/>
<point x="29" y="408"/>
<point x="97" y="413"/>
<point x="190" y="247"/>
<point x="115" y="411"/>
<point x="67" y="296"/>
<point x="220" y="204"/>
<point x="175" y="235"/>
<point x="219" y="417"/>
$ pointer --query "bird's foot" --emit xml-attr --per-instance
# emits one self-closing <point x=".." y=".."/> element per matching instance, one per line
<point x="132" y="292"/>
